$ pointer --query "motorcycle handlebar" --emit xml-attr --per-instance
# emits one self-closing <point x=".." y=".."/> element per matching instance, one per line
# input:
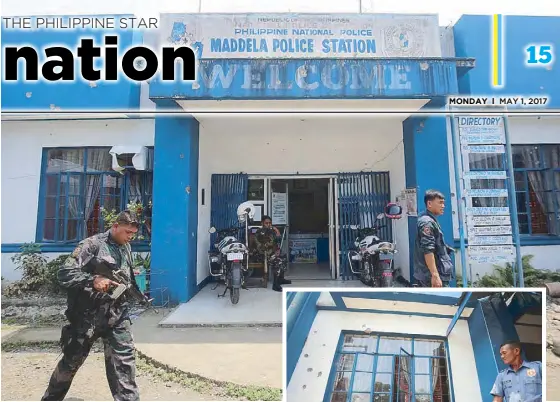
<point x="227" y="230"/>
<point x="373" y="229"/>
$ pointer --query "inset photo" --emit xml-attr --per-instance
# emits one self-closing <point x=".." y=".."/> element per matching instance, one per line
<point x="415" y="346"/>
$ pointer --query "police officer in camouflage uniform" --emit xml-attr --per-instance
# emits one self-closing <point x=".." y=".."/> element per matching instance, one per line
<point x="92" y="316"/>
<point x="276" y="262"/>
<point x="521" y="381"/>
<point x="432" y="264"/>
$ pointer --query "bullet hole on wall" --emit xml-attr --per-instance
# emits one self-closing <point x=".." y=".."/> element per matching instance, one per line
<point x="319" y="374"/>
<point x="304" y="386"/>
<point x="306" y="355"/>
<point x="309" y="370"/>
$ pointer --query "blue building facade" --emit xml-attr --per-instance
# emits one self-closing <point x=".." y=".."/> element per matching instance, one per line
<point x="175" y="181"/>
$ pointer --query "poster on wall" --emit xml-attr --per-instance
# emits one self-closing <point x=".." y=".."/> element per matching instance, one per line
<point x="279" y="213"/>
<point x="303" y="251"/>
<point x="411" y="200"/>
<point x="298" y="36"/>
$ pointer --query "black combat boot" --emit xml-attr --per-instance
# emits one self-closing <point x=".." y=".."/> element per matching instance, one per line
<point x="276" y="284"/>
<point x="283" y="281"/>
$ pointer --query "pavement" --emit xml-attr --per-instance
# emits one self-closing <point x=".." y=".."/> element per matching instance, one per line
<point x="257" y="306"/>
<point x="240" y="355"/>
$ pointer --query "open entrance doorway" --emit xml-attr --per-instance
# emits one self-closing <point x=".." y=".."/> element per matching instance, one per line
<point x="307" y="239"/>
<point x="303" y="209"/>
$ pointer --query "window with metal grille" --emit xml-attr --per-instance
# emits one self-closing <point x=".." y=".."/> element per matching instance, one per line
<point x="537" y="186"/>
<point x="382" y="368"/>
<point x="76" y="183"/>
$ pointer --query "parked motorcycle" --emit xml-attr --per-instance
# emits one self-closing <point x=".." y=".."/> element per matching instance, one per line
<point x="229" y="260"/>
<point x="373" y="259"/>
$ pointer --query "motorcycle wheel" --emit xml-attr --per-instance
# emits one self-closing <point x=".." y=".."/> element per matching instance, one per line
<point x="234" y="295"/>
<point x="366" y="278"/>
<point x="235" y="283"/>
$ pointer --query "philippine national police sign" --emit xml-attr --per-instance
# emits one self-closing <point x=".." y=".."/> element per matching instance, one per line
<point x="279" y="36"/>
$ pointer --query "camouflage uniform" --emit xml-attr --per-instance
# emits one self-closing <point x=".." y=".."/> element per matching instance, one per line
<point x="267" y="241"/>
<point x="91" y="317"/>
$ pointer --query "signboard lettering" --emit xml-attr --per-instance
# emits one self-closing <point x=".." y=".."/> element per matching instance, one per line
<point x="485" y="175"/>
<point x="483" y="138"/>
<point x="487" y="192"/>
<point x="489" y="240"/>
<point x="297" y="36"/>
<point x="307" y="76"/>
<point x="489" y="220"/>
<point x="489" y="230"/>
<point x="485" y="211"/>
<point x="492" y="259"/>
<point x="504" y="250"/>
<point x="484" y="149"/>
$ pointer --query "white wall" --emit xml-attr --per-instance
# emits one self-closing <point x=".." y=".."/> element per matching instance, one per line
<point x="523" y="130"/>
<point x="323" y="339"/>
<point x="306" y="145"/>
<point x="22" y="145"/>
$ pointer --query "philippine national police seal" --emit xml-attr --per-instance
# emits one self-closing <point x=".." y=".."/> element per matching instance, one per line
<point x="403" y="40"/>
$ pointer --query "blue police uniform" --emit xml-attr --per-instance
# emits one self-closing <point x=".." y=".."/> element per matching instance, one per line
<point x="525" y="385"/>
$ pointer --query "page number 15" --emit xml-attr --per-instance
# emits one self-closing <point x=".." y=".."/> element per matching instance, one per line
<point x="540" y="54"/>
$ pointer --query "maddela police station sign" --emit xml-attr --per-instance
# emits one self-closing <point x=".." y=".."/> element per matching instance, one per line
<point x="234" y="36"/>
<point x="283" y="56"/>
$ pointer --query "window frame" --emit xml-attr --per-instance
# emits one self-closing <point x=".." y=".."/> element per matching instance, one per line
<point x="530" y="237"/>
<point x="547" y="171"/>
<point x="329" y="390"/>
<point x="42" y="197"/>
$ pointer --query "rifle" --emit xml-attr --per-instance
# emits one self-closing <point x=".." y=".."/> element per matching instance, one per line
<point x="105" y="267"/>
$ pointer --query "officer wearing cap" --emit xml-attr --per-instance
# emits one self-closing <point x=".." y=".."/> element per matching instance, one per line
<point x="91" y="317"/>
<point x="521" y="381"/>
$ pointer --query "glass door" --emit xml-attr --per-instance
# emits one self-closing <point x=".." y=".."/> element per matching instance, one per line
<point x="279" y="212"/>
<point x="404" y="386"/>
<point x="333" y="229"/>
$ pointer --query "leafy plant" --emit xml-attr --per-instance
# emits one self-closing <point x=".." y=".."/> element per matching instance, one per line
<point x="37" y="272"/>
<point x="142" y="262"/>
<point x="51" y="272"/>
<point x="503" y="276"/>
<point x="110" y="216"/>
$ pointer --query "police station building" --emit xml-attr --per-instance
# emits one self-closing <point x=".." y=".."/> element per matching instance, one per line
<point x="315" y="173"/>
<point x="371" y="346"/>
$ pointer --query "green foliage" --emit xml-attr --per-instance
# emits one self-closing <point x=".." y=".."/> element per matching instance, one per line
<point x="38" y="274"/>
<point x="110" y="216"/>
<point x="503" y="276"/>
<point x="142" y="262"/>
<point x="460" y="282"/>
<point x="51" y="272"/>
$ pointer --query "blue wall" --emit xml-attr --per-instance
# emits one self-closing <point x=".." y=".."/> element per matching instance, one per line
<point x="490" y="325"/>
<point x="485" y="358"/>
<point x="301" y="314"/>
<point x="427" y="167"/>
<point x="472" y="39"/>
<point x="175" y="210"/>
<point x="119" y="95"/>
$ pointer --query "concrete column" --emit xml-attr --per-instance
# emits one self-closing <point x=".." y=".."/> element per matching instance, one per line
<point x="175" y="208"/>
<point x="427" y="167"/>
